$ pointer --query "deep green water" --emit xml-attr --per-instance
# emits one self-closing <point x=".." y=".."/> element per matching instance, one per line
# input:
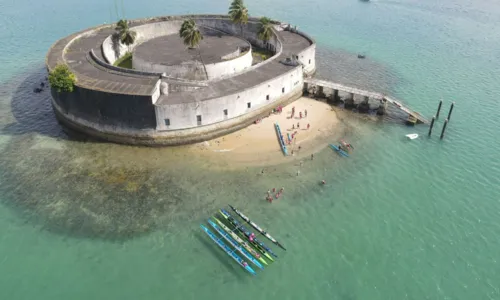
<point x="400" y="220"/>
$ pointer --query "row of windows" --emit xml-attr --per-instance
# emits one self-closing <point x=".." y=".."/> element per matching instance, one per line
<point x="225" y="112"/>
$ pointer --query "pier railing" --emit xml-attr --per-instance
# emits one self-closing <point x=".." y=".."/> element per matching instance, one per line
<point x="365" y="93"/>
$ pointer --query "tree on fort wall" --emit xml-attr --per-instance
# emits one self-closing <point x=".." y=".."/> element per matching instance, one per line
<point x="238" y="13"/>
<point x="62" y="79"/>
<point x="191" y="37"/>
<point x="124" y="34"/>
<point x="265" y="29"/>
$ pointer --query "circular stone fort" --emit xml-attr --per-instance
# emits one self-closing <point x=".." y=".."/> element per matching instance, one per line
<point x="174" y="95"/>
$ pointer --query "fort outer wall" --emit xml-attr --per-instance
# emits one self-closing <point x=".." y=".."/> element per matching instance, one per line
<point x="139" y="121"/>
<point x="270" y="93"/>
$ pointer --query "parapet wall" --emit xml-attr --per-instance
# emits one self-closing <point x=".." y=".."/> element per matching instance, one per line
<point x="144" y="32"/>
<point x="185" y="115"/>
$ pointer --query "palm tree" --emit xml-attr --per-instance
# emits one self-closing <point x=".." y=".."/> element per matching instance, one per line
<point x="191" y="36"/>
<point x="265" y="29"/>
<point x="125" y="35"/>
<point x="238" y="13"/>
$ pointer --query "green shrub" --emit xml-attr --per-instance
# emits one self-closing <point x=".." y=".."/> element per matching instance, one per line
<point x="62" y="79"/>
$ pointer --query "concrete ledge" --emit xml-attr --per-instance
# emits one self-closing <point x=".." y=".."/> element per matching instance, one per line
<point x="171" y="138"/>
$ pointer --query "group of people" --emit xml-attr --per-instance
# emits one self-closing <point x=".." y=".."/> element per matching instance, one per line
<point x="269" y="197"/>
<point x="298" y="126"/>
<point x="345" y="146"/>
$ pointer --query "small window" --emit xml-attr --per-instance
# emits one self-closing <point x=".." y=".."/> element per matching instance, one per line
<point x="267" y="97"/>
<point x="198" y="119"/>
<point x="225" y="112"/>
<point x="283" y="90"/>
<point x="309" y="61"/>
<point x="167" y="122"/>
<point x="249" y="104"/>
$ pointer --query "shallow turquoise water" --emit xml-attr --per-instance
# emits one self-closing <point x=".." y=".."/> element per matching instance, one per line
<point x="400" y="220"/>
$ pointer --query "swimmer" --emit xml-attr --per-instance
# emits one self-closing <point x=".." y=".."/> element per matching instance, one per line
<point x="323" y="181"/>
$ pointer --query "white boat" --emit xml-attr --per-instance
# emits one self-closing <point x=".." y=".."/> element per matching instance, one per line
<point x="412" y="136"/>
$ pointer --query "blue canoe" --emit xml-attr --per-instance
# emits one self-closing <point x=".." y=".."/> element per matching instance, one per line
<point x="235" y="244"/>
<point x="228" y="250"/>
<point x="339" y="151"/>
<point x="280" y="139"/>
<point x="258" y="244"/>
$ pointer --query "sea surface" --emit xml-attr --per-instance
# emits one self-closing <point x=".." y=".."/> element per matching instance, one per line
<point x="397" y="220"/>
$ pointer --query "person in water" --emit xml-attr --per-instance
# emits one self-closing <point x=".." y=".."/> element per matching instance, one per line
<point x="323" y="181"/>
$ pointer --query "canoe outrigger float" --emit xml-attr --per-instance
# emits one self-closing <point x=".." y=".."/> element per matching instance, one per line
<point x="228" y="250"/>
<point x="256" y="227"/>
<point x="244" y="232"/>
<point x="235" y="244"/>
<point x="240" y="241"/>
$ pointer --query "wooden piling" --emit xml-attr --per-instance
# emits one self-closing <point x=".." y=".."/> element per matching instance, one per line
<point x="451" y="109"/>
<point x="439" y="108"/>
<point x="432" y="124"/>
<point x="444" y="128"/>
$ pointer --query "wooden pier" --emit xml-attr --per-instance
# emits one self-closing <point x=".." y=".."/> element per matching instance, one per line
<point x="367" y="94"/>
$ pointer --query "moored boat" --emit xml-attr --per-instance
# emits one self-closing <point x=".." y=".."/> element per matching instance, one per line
<point x="240" y="241"/>
<point x="228" y="250"/>
<point x="244" y="232"/>
<point x="256" y="227"/>
<point x="412" y="136"/>
<point x="235" y="244"/>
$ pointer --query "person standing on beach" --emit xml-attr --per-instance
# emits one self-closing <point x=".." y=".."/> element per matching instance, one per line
<point x="298" y="125"/>
<point x="300" y="115"/>
<point x="312" y="156"/>
<point x="308" y="125"/>
<point x="305" y="112"/>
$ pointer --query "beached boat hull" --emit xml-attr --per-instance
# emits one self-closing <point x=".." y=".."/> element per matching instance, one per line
<point x="280" y="139"/>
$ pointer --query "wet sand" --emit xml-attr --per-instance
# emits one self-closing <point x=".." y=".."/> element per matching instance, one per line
<point x="257" y="145"/>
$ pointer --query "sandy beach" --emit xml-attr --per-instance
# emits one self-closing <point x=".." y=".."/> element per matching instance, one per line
<point x="257" y="145"/>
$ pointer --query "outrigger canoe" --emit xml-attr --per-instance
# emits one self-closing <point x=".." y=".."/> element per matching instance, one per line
<point x="256" y="227"/>
<point x="235" y="244"/>
<point x="240" y="241"/>
<point x="228" y="250"/>
<point x="280" y="139"/>
<point x="245" y="233"/>
<point x="339" y="151"/>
